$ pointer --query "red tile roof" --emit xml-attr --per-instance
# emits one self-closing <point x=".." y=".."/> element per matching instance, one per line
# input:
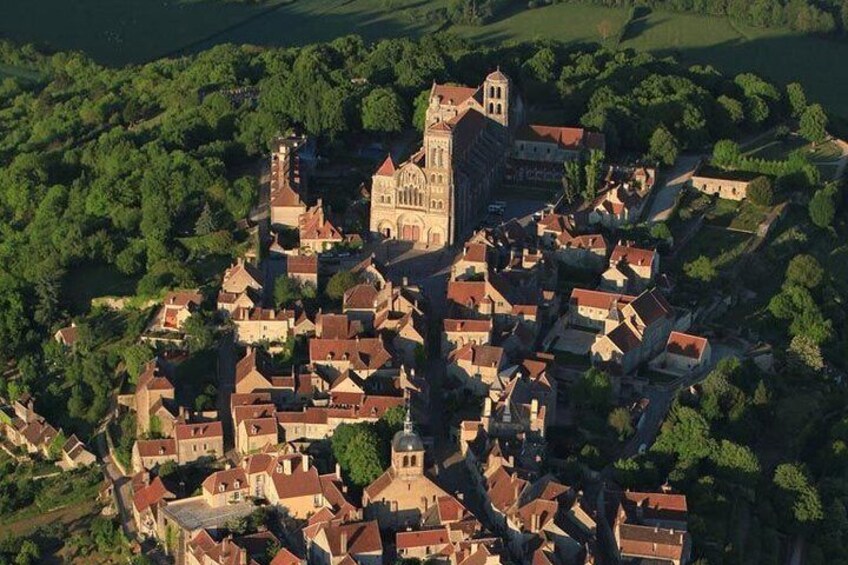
<point x="480" y="355"/>
<point x="686" y="345"/>
<point x="423" y="538"/>
<point x="157" y="447"/>
<point x="201" y="430"/>
<point x="633" y="256"/>
<point x="150" y="495"/>
<point x="228" y="478"/>
<point x="361" y="296"/>
<point x="598" y="299"/>
<point x="387" y="169"/>
<point x="452" y="95"/>
<point x="362" y="353"/>
<point x="651" y="543"/>
<point x="302" y="264"/>
<point x="454" y="325"/>
<point x="565" y="137"/>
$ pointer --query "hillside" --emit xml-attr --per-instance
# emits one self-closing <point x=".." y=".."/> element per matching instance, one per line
<point x="134" y="31"/>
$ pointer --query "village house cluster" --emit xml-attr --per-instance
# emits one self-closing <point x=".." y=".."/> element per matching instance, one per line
<point x="499" y="351"/>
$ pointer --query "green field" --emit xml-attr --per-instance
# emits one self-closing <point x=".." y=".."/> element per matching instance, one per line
<point x="126" y="31"/>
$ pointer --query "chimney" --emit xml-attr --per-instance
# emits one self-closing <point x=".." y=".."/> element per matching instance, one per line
<point x="304" y="460"/>
<point x="534" y="522"/>
<point x="287" y="467"/>
<point x="338" y="470"/>
<point x="405" y="281"/>
<point x="343" y="542"/>
<point x="534" y="409"/>
<point x="487" y="407"/>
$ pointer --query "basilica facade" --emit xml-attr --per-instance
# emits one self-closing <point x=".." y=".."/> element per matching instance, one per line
<point x="434" y="197"/>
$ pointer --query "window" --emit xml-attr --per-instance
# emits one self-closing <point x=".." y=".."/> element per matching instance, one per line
<point x="317" y="500"/>
<point x="491" y="108"/>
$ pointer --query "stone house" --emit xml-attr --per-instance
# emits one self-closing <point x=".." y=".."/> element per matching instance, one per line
<point x="476" y="367"/>
<point x="652" y="526"/>
<point x="684" y="354"/>
<point x="631" y="269"/>
<point x="240" y="277"/>
<point x="336" y="543"/>
<point x="225" y="487"/>
<point x="147" y="495"/>
<point x="288" y="183"/>
<point x="457" y="333"/>
<point x="318" y="232"/>
<point x="730" y="185"/>
<point x="176" y="308"/>
<point x="303" y="269"/>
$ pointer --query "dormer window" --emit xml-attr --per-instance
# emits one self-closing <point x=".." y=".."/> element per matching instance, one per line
<point x="221" y="488"/>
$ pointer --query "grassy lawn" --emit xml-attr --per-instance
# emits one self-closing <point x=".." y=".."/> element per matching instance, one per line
<point x="773" y="148"/>
<point x="723" y="247"/>
<point x="734" y="215"/>
<point x="565" y="22"/>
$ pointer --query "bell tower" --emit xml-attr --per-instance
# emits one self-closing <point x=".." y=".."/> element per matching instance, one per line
<point x="496" y="97"/>
<point x="407" y="451"/>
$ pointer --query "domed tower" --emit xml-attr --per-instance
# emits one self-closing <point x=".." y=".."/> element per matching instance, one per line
<point x="407" y="451"/>
<point x="496" y="97"/>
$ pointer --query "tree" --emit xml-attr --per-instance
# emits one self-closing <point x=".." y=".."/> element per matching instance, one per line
<point x="804" y="270"/>
<point x="135" y="357"/>
<point x="726" y="154"/>
<point x="619" y="420"/>
<point x="736" y="462"/>
<point x="340" y="283"/>
<point x="383" y="111"/>
<point x="823" y="206"/>
<point x="205" y="222"/>
<point x="286" y="291"/>
<point x="804" y="356"/>
<point x="760" y="191"/>
<point x="199" y="332"/>
<point x="419" y="109"/>
<point x="28" y="554"/>
<point x="571" y="179"/>
<point x="593" y="390"/>
<point x="686" y="434"/>
<point x="797" y="497"/>
<point x="661" y="232"/>
<point x="356" y="448"/>
<point x="701" y="269"/>
<point x="797" y="99"/>
<point x="663" y="146"/>
<point x="593" y="173"/>
<point x="813" y="124"/>
<point x="795" y="304"/>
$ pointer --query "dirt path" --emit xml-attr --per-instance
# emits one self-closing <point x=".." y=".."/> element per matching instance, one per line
<point x="666" y="195"/>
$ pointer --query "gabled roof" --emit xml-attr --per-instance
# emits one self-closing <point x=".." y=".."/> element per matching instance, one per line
<point x="650" y="306"/>
<point x="362" y="353"/>
<point x="225" y="481"/>
<point x="157" y="447"/>
<point x="633" y="256"/>
<point x="455" y="325"/>
<point x="451" y="94"/>
<point x="686" y="345"/>
<point x="566" y="137"/>
<point x="302" y="264"/>
<point x="624" y="338"/>
<point x="423" y="538"/>
<point x="150" y="495"/>
<point x="361" y="296"/>
<point x="479" y="355"/>
<point x="362" y="537"/>
<point x="598" y="299"/>
<point x="388" y="168"/>
<point x="203" y="430"/>
<point x="183" y="298"/>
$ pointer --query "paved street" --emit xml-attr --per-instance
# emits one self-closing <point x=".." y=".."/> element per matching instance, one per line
<point x="120" y="485"/>
<point x="666" y="195"/>
<point x="226" y="386"/>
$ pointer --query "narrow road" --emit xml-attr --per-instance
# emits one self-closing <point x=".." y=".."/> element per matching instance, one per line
<point x="666" y="195"/>
<point x="121" y="485"/>
<point x="226" y="386"/>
